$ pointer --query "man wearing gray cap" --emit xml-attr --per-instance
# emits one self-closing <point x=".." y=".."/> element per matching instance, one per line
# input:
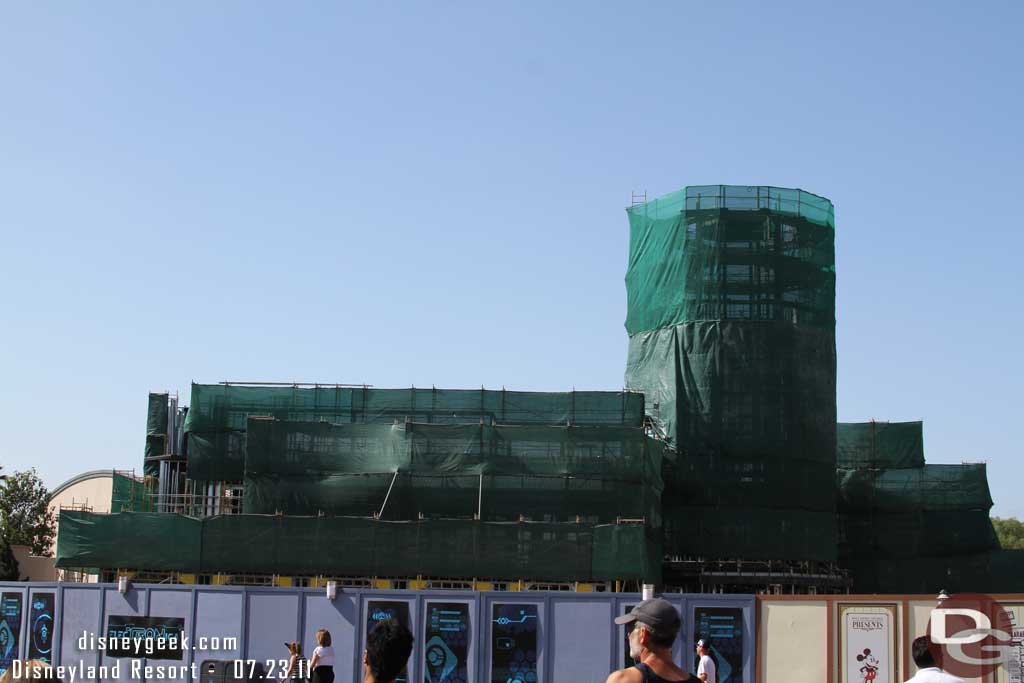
<point x="653" y="627"/>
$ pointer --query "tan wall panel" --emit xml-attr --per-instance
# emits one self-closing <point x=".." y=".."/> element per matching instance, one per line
<point x="793" y="642"/>
<point x="32" y="567"/>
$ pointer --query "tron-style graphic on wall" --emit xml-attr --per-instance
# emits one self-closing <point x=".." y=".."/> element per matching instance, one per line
<point x="513" y="643"/>
<point x="379" y="610"/>
<point x="723" y="626"/>
<point x="446" y="643"/>
<point x="40" y="644"/>
<point x="10" y="628"/>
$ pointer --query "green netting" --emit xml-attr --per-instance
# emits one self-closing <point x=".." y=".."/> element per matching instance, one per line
<point x="156" y="431"/>
<point x="216" y="420"/>
<point x="1006" y="571"/>
<point x="765" y="482"/>
<point x="931" y="487"/>
<point x="731" y="322"/>
<point x="130" y="495"/>
<point x="731" y="253"/>
<point x="347" y="546"/>
<point x="999" y="571"/>
<point x="924" y="575"/>
<point x="918" y="533"/>
<point x="879" y="444"/>
<point x="617" y="549"/>
<point x="891" y="519"/>
<point x="165" y="542"/>
<point x="748" y="533"/>
<point x="750" y="390"/>
<point x="540" y="472"/>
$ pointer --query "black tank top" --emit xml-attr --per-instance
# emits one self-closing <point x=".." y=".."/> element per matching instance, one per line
<point x="651" y="677"/>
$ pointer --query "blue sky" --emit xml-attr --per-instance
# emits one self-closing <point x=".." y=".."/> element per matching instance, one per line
<point x="433" y="193"/>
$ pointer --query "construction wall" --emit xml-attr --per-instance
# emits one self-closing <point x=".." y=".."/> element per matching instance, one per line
<point x="565" y="637"/>
<point x="803" y="637"/>
<point x="763" y="639"/>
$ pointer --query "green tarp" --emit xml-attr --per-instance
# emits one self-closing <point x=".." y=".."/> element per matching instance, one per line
<point x="731" y="322"/>
<point x="879" y="444"/>
<point x="130" y="495"/>
<point x="217" y="416"/>
<point x="917" y="533"/>
<point x="156" y="431"/>
<point x="539" y="472"/>
<point x="721" y="252"/>
<point x="930" y="487"/>
<point x="135" y="540"/>
<point x="347" y="546"/>
<point x="901" y="528"/>
<point x="748" y="533"/>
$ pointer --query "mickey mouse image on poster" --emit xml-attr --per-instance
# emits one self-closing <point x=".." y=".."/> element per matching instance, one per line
<point x="870" y="668"/>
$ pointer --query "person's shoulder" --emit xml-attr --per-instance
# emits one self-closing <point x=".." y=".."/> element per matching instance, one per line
<point x="630" y="675"/>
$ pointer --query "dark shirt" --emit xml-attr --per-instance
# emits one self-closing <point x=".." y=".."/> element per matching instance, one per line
<point x="651" y="677"/>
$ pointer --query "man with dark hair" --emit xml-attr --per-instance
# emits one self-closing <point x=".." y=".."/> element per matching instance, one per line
<point x="388" y="646"/>
<point x="928" y="670"/>
<point x="654" y="625"/>
<point x="706" y="669"/>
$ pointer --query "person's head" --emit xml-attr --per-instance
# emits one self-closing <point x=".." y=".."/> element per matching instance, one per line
<point x="921" y="652"/>
<point x="654" y="625"/>
<point x="323" y="638"/>
<point x="703" y="647"/>
<point x="294" y="648"/>
<point x="388" y="646"/>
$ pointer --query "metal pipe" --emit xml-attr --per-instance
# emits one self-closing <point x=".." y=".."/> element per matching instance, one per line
<point x="387" y="495"/>
<point x="296" y="384"/>
<point x="480" y="498"/>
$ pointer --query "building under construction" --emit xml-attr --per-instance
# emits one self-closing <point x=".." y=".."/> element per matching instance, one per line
<point x="721" y="467"/>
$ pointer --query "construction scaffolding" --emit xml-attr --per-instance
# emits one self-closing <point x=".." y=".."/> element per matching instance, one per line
<point x="906" y="526"/>
<point x="354" y="546"/>
<point x="216" y="421"/>
<point x="731" y="317"/>
<point x="415" y="470"/>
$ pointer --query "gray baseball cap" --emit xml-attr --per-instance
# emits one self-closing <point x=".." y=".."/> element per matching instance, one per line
<point x="657" y="613"/>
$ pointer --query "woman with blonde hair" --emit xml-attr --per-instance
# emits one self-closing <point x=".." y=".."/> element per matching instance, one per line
<point x="322" y="663"/>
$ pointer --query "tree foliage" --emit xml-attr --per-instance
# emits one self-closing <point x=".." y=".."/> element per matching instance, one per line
<point x="1010" y="532"/>
<point x="8" y="563"/>
<point x="25" y="517"/>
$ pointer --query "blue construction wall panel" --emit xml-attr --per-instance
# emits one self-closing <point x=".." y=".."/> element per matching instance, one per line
<point x="576" y="625"/>
<point x="218" y="621"/>
<point x="272" y="619"/>
<point x="559" y="637"/>
<point x="80" y="613"/>
<point x="338" y="617"/>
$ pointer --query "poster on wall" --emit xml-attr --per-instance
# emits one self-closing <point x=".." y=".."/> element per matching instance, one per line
<point x="867" y="644"/>
<point x="723" y="628"/>
<point x="10" y="628"/>
<point x="513" y="643"/>
<point x="379" y="610"/>
<point x="1013" y="670"/>
<point x="149" y="637"/>
<point x="40" y="627"/>
<point x="446" y="643"/>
